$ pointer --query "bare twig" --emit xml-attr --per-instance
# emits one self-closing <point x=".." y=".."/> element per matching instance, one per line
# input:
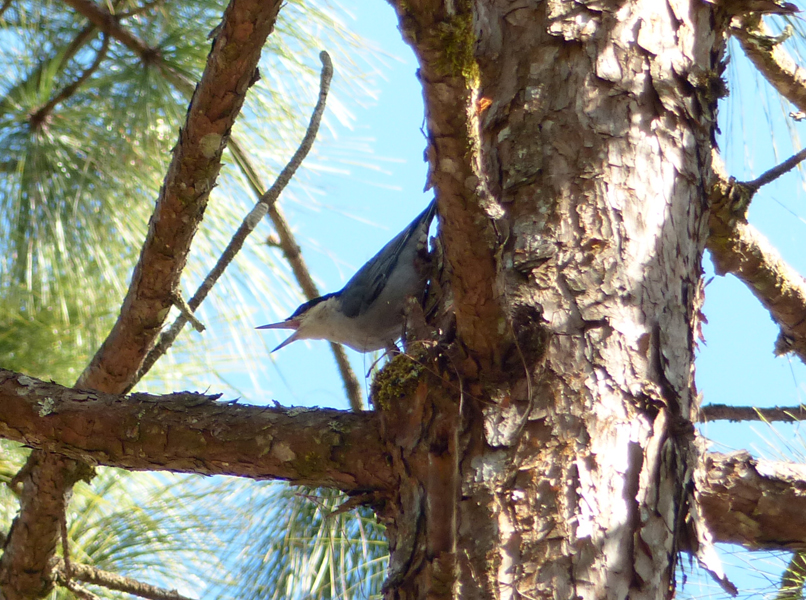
<point x="774" y="173"/>
<point x="247" y="225"/>
<point x="79" y="591"/>
<point x="184" y="309"/>
<point x="68" y="564"/>
<point x="291" y="251"/>
<point x="113" y="581"/>
<point x="723" y="412"/>
<point x="39" y="116"/>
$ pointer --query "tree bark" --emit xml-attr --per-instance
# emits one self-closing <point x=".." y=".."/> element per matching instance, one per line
<point x="570" y="151"/>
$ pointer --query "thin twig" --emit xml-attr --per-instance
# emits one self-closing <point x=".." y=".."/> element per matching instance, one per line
<point x="113" y="581"/>
<point x="42" y="113"/>
<point x="79" y="591"/>
<point x="774" y="173"/>
<point x="723" y="412"/>
<point x="184" y="309"/>
<point x="68" y="564"/>
<point x="291" y="251"/>
<point x="247" y="225"/>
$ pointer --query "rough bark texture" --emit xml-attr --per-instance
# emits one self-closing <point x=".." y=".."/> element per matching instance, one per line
<point x="738" y="248"/>
<point x="586" y="135"/>
<point x="192" y="433"/>
<point x="756" y="503"/>
<point x="24" y="570"/>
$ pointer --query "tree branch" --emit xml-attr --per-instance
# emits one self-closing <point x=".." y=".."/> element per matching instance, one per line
<point x="442" y="37"/>
<point x="723" y="412"/>
<point x="742" y="498"/>
<point x="772" y="60"/>
<point x="287" y="243"/>
<point x="759" y="504"/>
<point x="291" y="252"/>
<point x="40" y="115"/>
<point x="778" y="170"/>
<point x="196" y="161"/>
<point x="112" y="581"/>
<point x="192" y="433"/>
<point x="110" y="25"/>
<point x="738" y="248"/>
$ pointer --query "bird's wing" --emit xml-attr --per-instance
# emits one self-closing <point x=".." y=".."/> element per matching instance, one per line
<point x="368" y="283"/>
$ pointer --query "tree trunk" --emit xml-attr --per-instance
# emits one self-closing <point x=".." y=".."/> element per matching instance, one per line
<point x="550" y="453"/>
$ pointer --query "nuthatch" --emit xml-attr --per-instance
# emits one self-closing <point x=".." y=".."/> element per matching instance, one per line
<point x="367" y="313"/>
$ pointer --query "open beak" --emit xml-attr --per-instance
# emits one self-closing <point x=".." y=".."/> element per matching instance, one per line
<point x="288" y="324"/>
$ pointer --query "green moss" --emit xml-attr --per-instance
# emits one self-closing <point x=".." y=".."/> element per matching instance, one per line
<point x="398" y="379"/>
<point x="458" y="40"/>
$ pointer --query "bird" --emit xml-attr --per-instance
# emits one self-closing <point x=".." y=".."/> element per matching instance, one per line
<point x="367" y="313"/>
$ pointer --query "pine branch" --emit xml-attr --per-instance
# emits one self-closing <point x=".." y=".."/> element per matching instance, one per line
<point x="772" y="60"/>
<point x="466" y="209"/>
<point x="738" y="248"/>
<point x="40" y="115"/>
<point x="77" y="43"/>
<point x="756" y="503"/>
<point x="112" y="581"/>
<point x="723" y="412"/>
<point x="189" y="432"/>
<point x="110" y="24"/>
<point x="778" y="170"/>
<point x="247" y="225"/>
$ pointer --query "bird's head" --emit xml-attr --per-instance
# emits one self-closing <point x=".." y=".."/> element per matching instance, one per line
<point x="308" y="321"/>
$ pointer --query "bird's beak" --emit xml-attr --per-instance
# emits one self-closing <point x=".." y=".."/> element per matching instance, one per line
<point x="288" y="324"/>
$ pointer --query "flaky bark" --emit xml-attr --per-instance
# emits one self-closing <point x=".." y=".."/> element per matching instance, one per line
<point x="586" y="135"/>
<point x="47" y="479"/>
